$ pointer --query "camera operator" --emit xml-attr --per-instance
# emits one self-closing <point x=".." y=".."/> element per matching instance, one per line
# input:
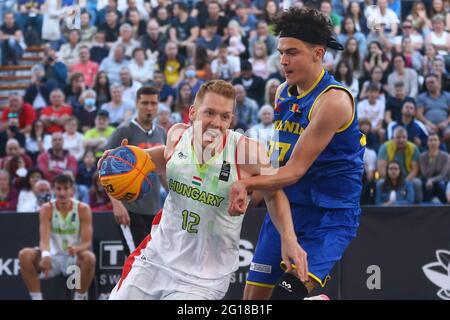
<point x="12" y="132"/>
<point x="55" y="71"/>
<point x="23" y="112"/>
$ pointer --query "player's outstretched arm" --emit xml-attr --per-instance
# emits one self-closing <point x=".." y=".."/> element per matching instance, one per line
<point x="156" y="154"/>
<point x="332" y="112"/>
<point x="256" y="162"/>
<point x="291" y="251"/>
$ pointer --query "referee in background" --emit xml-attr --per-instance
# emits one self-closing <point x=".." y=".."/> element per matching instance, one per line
<point x="135" y="218"/>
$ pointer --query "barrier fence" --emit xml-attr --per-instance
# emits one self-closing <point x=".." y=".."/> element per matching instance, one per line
<point x="399" y="253"/>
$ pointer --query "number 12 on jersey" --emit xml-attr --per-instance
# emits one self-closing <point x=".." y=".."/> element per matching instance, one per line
<point x="190" y="221"/>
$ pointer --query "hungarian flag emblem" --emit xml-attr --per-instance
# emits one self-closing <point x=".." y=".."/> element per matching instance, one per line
<point x="197" y="181"/>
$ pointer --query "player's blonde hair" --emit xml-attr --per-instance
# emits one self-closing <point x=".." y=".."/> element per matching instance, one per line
<point x="220" y="87"/>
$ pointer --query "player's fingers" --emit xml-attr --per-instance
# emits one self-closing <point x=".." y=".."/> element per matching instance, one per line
<point x="102" y="158"/>
<point x="304" y="267"/>
<point x="124" y="142"/>
<point x="299" y="268"/>
<point x="233" y="209"/>
<point x="127" y="220"/>
<point x="242" y="208"/>
<point x="236" y="208"/>
<point x="287" y="264"/>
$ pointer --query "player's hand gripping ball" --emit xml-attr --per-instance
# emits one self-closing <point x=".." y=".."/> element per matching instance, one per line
<point x="127" y="173"/>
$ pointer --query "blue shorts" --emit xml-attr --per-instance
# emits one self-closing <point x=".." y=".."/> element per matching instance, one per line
<point x="323" y="233"/>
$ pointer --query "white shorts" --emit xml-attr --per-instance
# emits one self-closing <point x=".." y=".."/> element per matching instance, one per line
<point x="148" y="281"/>
<point x="60" y="265"/>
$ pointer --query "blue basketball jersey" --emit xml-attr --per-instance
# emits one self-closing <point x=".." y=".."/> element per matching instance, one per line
<point x="335" y="178"/>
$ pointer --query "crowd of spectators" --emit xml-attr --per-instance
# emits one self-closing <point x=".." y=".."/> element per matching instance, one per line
<point x="85" y="84"/>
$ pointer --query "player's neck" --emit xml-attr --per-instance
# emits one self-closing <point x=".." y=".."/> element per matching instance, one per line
<point x="147" y="125"/>
<point x="64" y="207"/>
<point x="311" y="81"/>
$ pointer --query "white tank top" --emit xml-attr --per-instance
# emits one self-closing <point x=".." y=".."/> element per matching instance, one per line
<point x="196" y="236"/>
<point x="65" y="231"/>
<point x="440" y="41"/>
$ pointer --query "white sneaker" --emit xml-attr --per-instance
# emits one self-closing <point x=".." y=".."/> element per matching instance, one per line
<point x="319" y="297"/>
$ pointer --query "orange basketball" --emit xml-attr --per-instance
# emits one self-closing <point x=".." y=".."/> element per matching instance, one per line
<point x="127" y="173"/>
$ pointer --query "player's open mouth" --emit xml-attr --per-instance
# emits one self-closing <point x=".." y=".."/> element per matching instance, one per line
<point x="211" y="134"/>
<point x="288" y="73"/>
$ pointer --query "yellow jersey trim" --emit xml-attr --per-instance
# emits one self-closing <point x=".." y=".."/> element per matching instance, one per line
<point x="279" y="91"/>
<point x="346" y="126"/>
<point x="258" y="284"/>
<point x="322" y="73"/>
<point x="311" y="275"/>
<point x="322" y="283"/>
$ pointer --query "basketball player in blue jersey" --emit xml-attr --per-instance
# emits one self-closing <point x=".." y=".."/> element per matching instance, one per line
<point x="320" y="150"/>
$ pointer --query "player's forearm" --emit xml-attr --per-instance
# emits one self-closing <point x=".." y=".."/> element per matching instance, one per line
<point x="85" y="245"/>
<point x="280" y="214"/>
<point x="278" y="179"/>
<point x="114" y="201"/>
<point x="44" y="243"/>
<point x="157" y="156"/>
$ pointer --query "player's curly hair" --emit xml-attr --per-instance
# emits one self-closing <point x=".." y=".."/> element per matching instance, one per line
<point x="304" y="21"/>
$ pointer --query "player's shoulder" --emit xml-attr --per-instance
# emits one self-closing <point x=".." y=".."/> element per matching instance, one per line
<point x="175" y="132"/>
<point x="84" y="211"/>
<point x="334" y="104"/>
<point x="280" y="89"/>
<point x="46" y="209"/>
<point x="82" y="206"/>
<point x="336" y="96"/>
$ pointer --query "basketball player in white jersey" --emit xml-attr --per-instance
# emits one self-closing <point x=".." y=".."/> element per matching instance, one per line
<point x="193" y="248"/>
<point x="65" y="227"/>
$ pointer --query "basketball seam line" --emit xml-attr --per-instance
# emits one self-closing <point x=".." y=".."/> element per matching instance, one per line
<point x="133" y="166"/>
<point x="139" y="172"/>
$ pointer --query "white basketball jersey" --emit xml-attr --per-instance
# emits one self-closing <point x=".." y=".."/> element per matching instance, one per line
<point x="196" y="236"/>
<point x="65" y="232"/>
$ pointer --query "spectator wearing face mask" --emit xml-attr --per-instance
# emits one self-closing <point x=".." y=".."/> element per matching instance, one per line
<point x="86" y="114"/>
<point x="32" y="187"/>
<point x="16" y="163"/>
<point x="190" y="77"/>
